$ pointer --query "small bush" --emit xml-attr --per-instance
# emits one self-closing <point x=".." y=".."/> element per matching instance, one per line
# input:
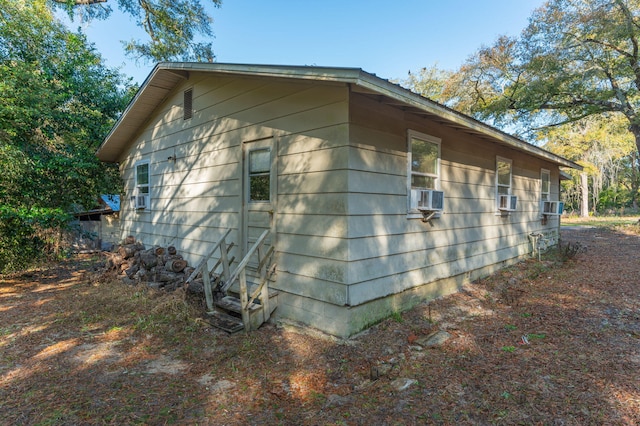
<point x="569" y="251"/>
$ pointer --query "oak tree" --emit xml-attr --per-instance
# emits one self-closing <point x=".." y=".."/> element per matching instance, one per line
<point x="576" y="58"/>
<point x="173" y="27"/>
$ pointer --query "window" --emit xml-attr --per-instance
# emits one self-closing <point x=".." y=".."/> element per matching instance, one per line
<point x="141" y="191"/>
<point x="423" y="169"/>
<point x="260" y="175"/>
<point x="188" y="104"/>
<point x="545" y="181"/>
<point x="503" y="180"/>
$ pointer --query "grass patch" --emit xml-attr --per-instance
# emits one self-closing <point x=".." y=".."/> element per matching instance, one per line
<point x="533" y="336"/>
<point x="625" y="224"/>
<point x="397" y="317"/>
<point x="600" y="221"/>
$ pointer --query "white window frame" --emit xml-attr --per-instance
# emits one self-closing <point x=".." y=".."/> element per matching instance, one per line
<point x="545" y="196"/>
<point x="137" y="187"/>
<point x="498" y="185"/>
<point x="412" y="134"/>
<point x="251" y="174"/>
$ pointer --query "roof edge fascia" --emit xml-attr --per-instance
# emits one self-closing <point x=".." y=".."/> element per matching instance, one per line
<point x="386" y="88"/>
<point x="355" y="76"/>
<point x="131" y="104"/>
<point x="336" y="74"/>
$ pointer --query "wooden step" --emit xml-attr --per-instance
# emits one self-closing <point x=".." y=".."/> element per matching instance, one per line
<point x="232" y="304"/>
<point x="235" y="290"/>
<point x="226" y="322"/>
<point x="273" y="300"/>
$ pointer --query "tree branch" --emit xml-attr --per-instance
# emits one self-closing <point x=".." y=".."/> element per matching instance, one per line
<point x="610" y="46"/>
<point x="82" y="2"/>
<point x="633" y="60"/>
<point x="561" y="123"/>
<point x="577" y="101"/>
<point x="625" y="106"/>
<point x="148" y="22"/>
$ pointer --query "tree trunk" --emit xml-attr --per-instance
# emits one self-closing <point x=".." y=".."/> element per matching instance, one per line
<point x="635" y="129"/>
<point x="635" y="181"/>
<point x="584" y="199"/>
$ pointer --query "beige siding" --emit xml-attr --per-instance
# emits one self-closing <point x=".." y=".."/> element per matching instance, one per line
<point x="195" y="198"/>
<point x="390" y="253"/>
<point x="343" y="238"/>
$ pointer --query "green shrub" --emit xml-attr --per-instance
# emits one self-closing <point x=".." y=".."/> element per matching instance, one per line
<point x="29" y="236"/>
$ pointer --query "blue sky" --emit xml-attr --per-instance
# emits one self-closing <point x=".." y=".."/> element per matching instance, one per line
<point x="382" y="37"/>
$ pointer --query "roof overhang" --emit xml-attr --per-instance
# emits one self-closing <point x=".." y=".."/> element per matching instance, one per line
<point x="565" y="176"/>
<point x="165" y="76"/>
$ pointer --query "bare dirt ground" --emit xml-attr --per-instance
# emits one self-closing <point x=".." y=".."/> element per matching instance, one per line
<point x="542" y="342"/>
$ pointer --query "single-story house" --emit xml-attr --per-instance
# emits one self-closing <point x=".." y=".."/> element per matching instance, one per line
<point x="376" y="198"/>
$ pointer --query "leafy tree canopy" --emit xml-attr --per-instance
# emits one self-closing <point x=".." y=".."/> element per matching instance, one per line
<point x="430" y="82"/>
<point x="173" y="26"/>
<point x="571" y="80"/>
<point x="577" y="58"/>
<point x="58" y="102"/>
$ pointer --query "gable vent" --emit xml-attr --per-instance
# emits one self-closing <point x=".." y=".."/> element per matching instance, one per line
<point x="188" y="104"/>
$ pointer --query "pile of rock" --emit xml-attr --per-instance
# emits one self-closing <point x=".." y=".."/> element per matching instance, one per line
<point x="157" y="267"/>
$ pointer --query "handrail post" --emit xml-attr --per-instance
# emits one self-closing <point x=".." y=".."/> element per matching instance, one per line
<point x="203" y="268"/>
<point x="243" y="300"/>
<point x="224" y="257"/>
<point x="264" y="294"/>
<point x="203" y="262"/>
<point x="208" y="294"/>
<point x="243" y="263"/>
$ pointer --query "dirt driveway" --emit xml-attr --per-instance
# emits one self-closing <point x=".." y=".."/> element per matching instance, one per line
<point x="538" y="343"/>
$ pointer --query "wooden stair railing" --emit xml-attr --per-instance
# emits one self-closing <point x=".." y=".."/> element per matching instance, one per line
<point x="261" y="292"/>
<point x="206" y="274"/>
<point x="247" y="305"/>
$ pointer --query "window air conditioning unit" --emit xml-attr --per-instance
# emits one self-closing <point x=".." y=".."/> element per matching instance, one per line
<point x="427" y="200"/>
<point x="552" y="208"/>
<point x="140" y="201"/>
<point x="508" y="203"/>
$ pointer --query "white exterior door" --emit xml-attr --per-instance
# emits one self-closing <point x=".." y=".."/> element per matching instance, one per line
<point x="258" y="195"/>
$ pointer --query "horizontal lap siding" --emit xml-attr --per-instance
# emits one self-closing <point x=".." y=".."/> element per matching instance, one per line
<point x="392" y="284"/>
<point x="389" y="253"/>
<point x="343" y="236"/>
<point x="197" y="197"/>
<point x="312" y="212"/>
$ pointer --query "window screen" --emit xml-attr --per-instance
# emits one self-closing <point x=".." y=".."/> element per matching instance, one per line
<point x="260" y="175"/>
<point x="424" y="163"/>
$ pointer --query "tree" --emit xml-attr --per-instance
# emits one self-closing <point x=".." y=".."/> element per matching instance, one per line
<point x="429" y="82"/>
<point x="58" y="101"/>
<point x="172" y="25"/>
<point x="577" y="58"/>
<point x="606" y="149"/>
<point x="577" y="62"/>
